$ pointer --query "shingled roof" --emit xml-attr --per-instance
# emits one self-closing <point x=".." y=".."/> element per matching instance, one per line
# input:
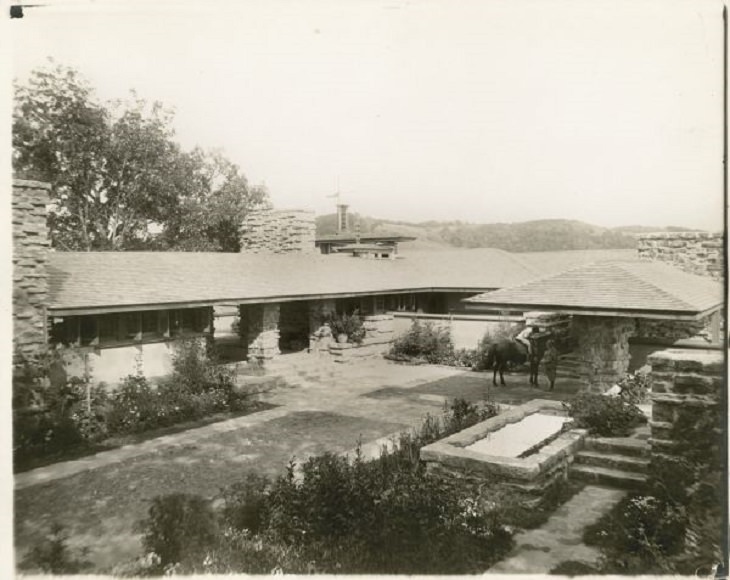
<point x="105" y="281"/>
<point x="612" y="288"/>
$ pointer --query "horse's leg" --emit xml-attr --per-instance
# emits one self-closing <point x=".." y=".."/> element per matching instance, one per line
<point x="494" y="376"/>
<point x="501" y="375"/>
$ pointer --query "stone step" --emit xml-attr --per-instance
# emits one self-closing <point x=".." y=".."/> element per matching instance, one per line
<point x="619" y="445"/>
<point x="607" y="476"/>
<point x="612" y="460"/>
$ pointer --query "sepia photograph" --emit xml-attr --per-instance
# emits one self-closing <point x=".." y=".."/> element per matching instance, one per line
<point x="373" y="287"/>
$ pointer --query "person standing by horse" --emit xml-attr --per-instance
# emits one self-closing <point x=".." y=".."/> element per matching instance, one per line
<point x="550" y="359"/>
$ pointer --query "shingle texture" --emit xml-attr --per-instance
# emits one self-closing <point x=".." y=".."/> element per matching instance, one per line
<point x="98" y="279"/>
<point x="613" y="285"/>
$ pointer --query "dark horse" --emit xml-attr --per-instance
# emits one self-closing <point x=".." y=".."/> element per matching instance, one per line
<point x="505" y="351"/>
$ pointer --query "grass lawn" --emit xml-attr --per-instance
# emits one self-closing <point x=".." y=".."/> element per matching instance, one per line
<point x="100" y="507"/>
<point x="476" y="387"/>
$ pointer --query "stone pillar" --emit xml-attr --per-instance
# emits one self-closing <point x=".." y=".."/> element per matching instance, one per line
<point x="260" y="327"/>
<point x="30" y="264"/>
<point x="319" y="311"/>
<point x="603" y="349"/>
<point x="686" y="414"/>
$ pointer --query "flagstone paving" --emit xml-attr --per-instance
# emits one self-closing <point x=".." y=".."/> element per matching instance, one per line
<point x="560" y="539"/>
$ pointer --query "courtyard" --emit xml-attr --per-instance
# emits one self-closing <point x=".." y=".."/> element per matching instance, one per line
<point x="327" y="407"/>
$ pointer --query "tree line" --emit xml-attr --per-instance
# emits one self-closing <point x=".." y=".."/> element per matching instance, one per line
<point x="120" y="180"/>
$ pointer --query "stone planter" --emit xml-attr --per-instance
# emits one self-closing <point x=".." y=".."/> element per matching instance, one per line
<point x="342" y="338"/>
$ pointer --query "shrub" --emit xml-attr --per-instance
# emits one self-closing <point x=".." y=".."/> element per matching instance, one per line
<point x="339" y="516"/>
<point x="635" y="387"/>
<point x="348" y="324"/>
<point x="245" y="503"/>
<point x="179" y="526"/>
<point x="424" y="342"/>
<point x="604" y="415"/>
<point x="639" y="535"/>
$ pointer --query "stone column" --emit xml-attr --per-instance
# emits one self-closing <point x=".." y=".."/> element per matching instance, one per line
<point x="319" y="310"/>
<point x="686" y="414"/>
<point x="261" y="325"/>
<point x="30" y="265"/>
<point x="603" y="349"/>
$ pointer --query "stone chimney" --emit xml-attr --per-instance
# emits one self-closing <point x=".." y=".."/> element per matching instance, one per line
<point x="279" y="231"/>
<point x="699" y="253"/>
<point x="30" y="267"/>
<point x="342" y="225"/>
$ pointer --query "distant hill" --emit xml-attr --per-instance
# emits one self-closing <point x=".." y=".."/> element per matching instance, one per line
<point x="531" y="236"/>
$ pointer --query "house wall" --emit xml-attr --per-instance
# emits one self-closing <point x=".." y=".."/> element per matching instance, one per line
<point x="694" y="252"/>
<point x="111" y="365"/>
<point x="279" y="231"/>
<point x="30" y="262"/>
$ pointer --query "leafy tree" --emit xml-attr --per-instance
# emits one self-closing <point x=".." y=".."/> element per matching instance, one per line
<point x="209" y="214"/>
<point x="116" y="168"/>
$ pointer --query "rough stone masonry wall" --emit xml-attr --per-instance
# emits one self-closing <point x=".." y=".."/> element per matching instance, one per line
<point x="260" y="329"/>
<point x="279" y="231"/>
<point x="379" y="336"/>
<point x="603" y="349"/>
<point x="694" y="252"/>
<point x="686" y="391"/>
<point x="30" y="262"/>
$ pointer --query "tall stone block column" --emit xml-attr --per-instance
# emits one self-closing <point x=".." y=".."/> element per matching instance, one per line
<point x="603" y="349"/>
<point x="30" y="267"/>
<point x="261" y="323"/>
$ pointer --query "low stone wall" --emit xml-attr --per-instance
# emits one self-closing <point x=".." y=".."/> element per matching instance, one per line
<point x="379" y="336"/>
<point x="533" y="475"/>
<point x="694" y="252"/>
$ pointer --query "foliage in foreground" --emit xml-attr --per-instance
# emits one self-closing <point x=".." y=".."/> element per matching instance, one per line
<point x="605" y="416"/>
<point x="335" y="515"/>
<point x="675" y="526"/>
<point x="53" y="416"/>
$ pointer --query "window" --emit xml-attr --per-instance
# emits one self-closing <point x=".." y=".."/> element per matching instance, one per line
<point x="106" y="330"/>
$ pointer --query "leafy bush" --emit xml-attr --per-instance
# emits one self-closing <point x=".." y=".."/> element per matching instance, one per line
<point x="605" y="416"/>
<point x="53" y="555"/>
<point x="348" y="324"/>
<point x="341" y="516"/>
<point x="179" y="526"/>
<point x="635" y="387"/>
<point x="424" y="342"/>
<point x="640" y="534"/>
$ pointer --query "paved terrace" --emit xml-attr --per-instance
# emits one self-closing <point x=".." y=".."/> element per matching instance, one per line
<point x="323" y="407"/>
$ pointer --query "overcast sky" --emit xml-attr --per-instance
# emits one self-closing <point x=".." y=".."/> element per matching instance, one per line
<point x="481" y="111"/>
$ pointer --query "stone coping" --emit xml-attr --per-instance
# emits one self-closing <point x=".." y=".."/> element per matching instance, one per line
<point x="451" y="451"/>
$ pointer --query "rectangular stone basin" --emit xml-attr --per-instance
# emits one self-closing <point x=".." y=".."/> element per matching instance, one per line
<point x="518" y="438"/>
<point x="530" y="443"/>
